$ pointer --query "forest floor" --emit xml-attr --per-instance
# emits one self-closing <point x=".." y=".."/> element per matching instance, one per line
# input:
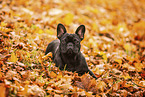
<point x="114" y="47"/>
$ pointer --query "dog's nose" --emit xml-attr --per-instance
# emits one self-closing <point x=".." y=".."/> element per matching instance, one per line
<point x="70" y="45"/>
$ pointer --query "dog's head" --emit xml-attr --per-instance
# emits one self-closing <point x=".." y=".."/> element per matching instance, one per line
<point x="70" y="43"/>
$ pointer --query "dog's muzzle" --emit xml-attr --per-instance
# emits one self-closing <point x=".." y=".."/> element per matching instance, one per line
<point x="70" y="47"/>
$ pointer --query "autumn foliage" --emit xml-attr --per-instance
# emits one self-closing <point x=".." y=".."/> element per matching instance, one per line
<point x="114" y="47"/>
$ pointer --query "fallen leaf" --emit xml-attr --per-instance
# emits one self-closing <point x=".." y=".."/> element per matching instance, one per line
<point x="3" y="90"/>
<point x="13" y="58"/>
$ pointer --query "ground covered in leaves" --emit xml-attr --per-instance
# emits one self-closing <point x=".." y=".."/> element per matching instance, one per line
<point x="114" y="47"/>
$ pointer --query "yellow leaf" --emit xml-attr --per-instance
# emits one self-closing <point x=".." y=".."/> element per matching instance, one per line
<point x="3" y="24"/>
<point x="40" y="60"/>
<point x="68" y="19"/>
<point x="13" y="57"/>
<point x="81" y="20"/>
<point x="118" y="60"/>
<point x="126" y="76"/>
<point x="103" y="55"/>
<point x="26" y="82"/>
<point x="7" y="30"/>
<point x="28" y="54"/>
<point x="121" y="28"/>
<point x="40" y="31"/>
<point x="59" y="75"/>
<point x="50" y="32"/>
<point x="95" y="27"/>
<point x="101" y="85"/>
<point x="93" y="10"/>
<point x="127" y="47"/>
<point x="105" y="21"/>
<point x="96" y="11"/>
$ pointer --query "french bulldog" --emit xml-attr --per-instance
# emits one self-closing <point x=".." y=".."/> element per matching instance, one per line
<point x="66" y="51"/>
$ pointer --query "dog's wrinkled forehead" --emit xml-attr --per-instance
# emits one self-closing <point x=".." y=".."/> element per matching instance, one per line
<point x="70" y="37"/>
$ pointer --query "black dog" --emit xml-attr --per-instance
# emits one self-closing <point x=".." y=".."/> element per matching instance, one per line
<point x="66" y="50"/>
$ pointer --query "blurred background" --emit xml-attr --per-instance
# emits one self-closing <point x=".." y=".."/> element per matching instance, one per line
<point x="120" y="17"/>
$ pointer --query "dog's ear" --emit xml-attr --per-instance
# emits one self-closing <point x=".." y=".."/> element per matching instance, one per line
<point x="80" y="31"/>
<point x="60" y="30"/>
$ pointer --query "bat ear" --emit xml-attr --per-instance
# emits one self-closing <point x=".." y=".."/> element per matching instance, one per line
<point x="80" y="31"/>
<point x="60" y="30"/>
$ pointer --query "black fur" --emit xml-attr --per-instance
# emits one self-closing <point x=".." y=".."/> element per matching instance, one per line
<point x="66" y="50"/>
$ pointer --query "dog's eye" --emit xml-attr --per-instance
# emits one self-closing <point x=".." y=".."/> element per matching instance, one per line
<point x="77" y="42"/>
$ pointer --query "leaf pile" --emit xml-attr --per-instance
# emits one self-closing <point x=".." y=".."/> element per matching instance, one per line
<point x="114" y="47"/>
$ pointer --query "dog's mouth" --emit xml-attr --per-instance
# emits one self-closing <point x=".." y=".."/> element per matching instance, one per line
<point x="69" y="51"/>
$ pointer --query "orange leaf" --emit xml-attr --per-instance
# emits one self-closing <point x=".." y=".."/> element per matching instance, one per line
<point x="139" y="66"/>
<point x="52" y="74"/>
<point x="49" y="55"/>
<point x="2" y="90"/>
